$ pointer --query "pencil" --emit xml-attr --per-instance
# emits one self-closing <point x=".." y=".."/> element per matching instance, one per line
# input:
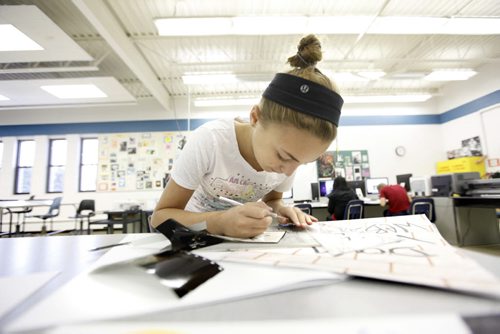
<point x="233" y="202"/>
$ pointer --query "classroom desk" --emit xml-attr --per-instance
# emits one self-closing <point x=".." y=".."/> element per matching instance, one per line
<point x="137" y="218"/>
<point x="320" y="210"/>
<point x="15" y="204"/>
<point x="346" y="299"/>
<point x="476" y="221"/>
<point x="372" y="209"/>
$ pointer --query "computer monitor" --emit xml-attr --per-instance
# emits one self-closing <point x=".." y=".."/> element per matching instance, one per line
<point x="404" y="181"/>
<point x="315" y="191"/>
<point x="420" y="185"/>
<point x="371" y="184"/>
<point x="325" y="187"/>
<point x="360" y="184"/>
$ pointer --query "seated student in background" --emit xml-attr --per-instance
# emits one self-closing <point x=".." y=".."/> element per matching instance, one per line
<point x="396" y="198"/>
<point x="339" y="197"/>
<point x="254" y="162"/>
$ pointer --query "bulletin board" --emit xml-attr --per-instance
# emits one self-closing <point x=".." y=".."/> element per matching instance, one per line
<point x="137" y="161"/>
<point x="353" y="165"/>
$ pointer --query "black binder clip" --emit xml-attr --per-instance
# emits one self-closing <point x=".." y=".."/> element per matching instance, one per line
<point x="182" y="238"/>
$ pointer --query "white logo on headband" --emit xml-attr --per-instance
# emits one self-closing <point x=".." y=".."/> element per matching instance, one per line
<point x="304" y="88"/>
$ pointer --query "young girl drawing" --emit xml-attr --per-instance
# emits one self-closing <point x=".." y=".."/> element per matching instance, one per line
<point x="254" y="162"/>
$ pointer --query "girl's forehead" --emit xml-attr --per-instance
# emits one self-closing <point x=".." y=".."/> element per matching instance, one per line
<point x="299" y="143"/>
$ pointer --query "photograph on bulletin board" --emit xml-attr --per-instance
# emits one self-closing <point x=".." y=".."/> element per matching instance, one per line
<point x="326" y="165"/>
<point x="137" y="161"/>
<point x="353" y="165"/>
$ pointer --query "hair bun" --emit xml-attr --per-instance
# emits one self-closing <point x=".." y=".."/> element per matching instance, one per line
<point x="308" y="54"/>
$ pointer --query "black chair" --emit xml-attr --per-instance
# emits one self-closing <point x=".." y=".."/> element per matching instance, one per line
<point x="423" y="206"/>
<point x="305" y="207"/>
<point x="53" y="212"/>
<point x="85" y="210"/>
<point x="354" y="209"/>
<point x="124" y="218"/>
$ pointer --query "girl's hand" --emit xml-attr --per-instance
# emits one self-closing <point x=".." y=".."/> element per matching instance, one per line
<point x="243" y="221"/>
<point x="296" y="216"/>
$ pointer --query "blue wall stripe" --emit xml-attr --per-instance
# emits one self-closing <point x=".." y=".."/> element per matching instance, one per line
<point x="389" y="120"/>
<point x="103" y="127"/>
<point x="471" y="107"/>
<point x="181" y="125"/>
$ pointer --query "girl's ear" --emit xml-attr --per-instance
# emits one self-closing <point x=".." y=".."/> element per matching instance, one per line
<point x="254" y="115"/>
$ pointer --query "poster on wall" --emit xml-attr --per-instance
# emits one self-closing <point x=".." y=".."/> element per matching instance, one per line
<point x="137" y="161"/>
<point x="472" y="147"/>
<point x="353" y="165"/>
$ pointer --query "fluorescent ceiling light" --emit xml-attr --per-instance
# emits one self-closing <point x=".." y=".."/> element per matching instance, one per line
<point x="344" y="76"/>
<point x="387" y="98"/>
<point x="13" y="39"/>
<point x="450" y="75"/>
<point x="224" y="102"/>
<point x="4" y="98"/>
<point x="292" y="25"/>
<point x="372" y="74"/>
<point x="207" y="79"/>
<point x="74" y="91"/>
<point x="404" y="25"/>
<point x="471" y="26"/>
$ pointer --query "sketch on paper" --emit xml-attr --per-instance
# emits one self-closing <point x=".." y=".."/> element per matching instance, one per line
<point x="406" y="249"/>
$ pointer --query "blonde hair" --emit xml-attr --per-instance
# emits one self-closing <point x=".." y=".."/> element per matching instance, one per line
<point x="304" y="66"/>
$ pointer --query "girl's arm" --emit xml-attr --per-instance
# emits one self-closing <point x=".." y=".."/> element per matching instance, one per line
<point x="242" y="221"/>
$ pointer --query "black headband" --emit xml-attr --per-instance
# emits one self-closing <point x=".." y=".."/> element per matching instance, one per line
<point x="305" y="96"/>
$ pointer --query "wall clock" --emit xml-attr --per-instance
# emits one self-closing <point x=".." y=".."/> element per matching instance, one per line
<point x="400" y="151"/>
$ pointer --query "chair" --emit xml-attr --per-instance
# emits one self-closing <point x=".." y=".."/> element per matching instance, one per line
<point x="354" y="209"/>
<point x="85" y="210"/>
<point x="423" y="206"/>
<point x="53" y="212"/>
<point x="123" y="218"/>
<point x="305" y="207"/>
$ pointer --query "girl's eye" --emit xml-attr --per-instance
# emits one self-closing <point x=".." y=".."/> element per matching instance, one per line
<point x="282" y="158"/>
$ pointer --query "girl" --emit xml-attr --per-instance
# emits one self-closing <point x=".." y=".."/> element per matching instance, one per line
<point x="339" y="197"/>
<point x="254" y="162"/>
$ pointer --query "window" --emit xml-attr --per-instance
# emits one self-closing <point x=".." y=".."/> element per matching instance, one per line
<point x="24" y="166"/>
<point x="1" y="154"/>
<point x="88" y="164"/>
<point x="57" y="164"/>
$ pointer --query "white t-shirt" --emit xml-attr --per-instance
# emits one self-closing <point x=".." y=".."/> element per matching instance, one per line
<point x="211" y="165"/>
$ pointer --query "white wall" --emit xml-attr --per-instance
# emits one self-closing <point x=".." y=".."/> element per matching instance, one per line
<point x="425" y="144"/>
<point x="483" y="123"/>
<point x="71" y="196"/>
<point x="422" y="143"/>
<point x="458" y="93"/>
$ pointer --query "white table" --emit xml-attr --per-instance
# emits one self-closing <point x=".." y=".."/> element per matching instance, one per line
<point x="4" y="205"/>
<point x="352" y="298"/>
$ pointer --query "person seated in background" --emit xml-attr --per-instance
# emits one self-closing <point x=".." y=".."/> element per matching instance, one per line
<point x="339" y="197"/>
<point x="395" y="197"/>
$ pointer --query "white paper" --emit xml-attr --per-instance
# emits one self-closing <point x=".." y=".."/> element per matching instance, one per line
<point x="271" y="237"/>
<point x="15" y="289"/>
<point x="410" y="324"/>
<point x="406" y="249"/>
<point x="124" y="291"/>
<point x="140" y="245"/>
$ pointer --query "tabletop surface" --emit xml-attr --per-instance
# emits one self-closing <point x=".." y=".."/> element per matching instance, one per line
<point x="353" y="297"/>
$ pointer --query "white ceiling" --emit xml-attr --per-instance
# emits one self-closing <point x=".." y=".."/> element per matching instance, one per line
<point x="123" y="43"/>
